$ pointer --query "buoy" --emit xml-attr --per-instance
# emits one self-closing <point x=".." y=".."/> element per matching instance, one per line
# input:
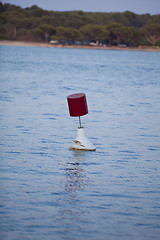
<point x="77" y="104"/>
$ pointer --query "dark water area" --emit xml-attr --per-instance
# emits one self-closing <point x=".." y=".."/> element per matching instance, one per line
<point x="50" y="192"/>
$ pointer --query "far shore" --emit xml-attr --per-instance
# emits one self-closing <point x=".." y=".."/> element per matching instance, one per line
<point x="42" y="44"/>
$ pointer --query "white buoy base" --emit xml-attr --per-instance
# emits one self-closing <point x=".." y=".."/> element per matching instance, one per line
<point x="82" y="142"/>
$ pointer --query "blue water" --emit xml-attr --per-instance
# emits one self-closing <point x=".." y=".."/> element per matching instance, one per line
<point x="49" y="192"/>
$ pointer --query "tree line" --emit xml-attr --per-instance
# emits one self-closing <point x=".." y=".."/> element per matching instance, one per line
<point x="36" y="24"/>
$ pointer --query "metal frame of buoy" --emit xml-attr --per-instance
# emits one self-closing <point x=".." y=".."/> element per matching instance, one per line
<point x="77" y="104"/>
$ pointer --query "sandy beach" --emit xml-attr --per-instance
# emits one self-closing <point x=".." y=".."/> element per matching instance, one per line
<point x="42" y="44"/>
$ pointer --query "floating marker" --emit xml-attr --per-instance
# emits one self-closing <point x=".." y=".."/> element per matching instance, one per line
<point x="77" y="104"/>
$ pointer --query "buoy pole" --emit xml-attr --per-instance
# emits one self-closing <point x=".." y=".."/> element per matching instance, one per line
<point x="80" y="126"/>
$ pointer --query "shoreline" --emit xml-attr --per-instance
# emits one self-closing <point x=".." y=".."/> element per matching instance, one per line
<point x="41" y="44"/>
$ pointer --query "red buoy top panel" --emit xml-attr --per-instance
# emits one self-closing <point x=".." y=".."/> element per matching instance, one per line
<point x="77" y="104"/>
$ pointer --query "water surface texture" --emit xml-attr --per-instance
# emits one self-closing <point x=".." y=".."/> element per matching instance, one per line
<point x="49" y="192"/>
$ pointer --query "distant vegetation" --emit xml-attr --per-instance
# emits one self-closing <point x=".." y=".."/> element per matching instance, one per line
<point x="78" y="27"/>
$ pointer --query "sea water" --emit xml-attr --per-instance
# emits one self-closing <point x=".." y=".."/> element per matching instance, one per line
<point x="50" y="192"/>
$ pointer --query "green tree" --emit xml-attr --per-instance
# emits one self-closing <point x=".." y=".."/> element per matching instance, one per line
<point x="131" y="18"/>
<point x="45" y="30"/>
<point x="151" y="33"/>
<point x="117" y="17"/>
<point x="13" y="21"/>
<point x="34" y="11"/>
<point x="131" y="37"/>
<point x="116" y="33"/>
<point x="93" y="32"/>
<point x="67" y="34"/>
